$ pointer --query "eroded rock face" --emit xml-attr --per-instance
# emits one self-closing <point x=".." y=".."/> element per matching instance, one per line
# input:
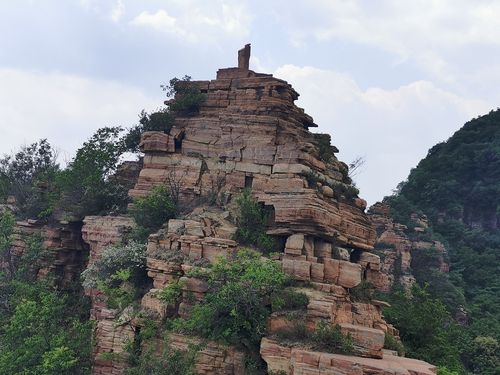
<point x="110" y="335"/>
<point x="296" y="361"/>
<point x="250" y="134"/>
<point x="395" y="248"/>
<point x="63" y="255"/>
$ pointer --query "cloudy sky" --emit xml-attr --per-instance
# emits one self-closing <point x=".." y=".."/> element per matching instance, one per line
<point x="387" y="79"/>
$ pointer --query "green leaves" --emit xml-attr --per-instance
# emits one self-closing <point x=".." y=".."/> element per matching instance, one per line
<point x="155" y="209"/>
<point x="252" y="224"/>
<point x="42" y="335"/>
<point x="426" y="328"/>
<point x="87" y="188"/>
<point x="237" y="305"/>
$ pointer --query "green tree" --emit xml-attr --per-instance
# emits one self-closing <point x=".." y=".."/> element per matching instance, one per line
<point x="87" y="188"/>
<point x="161" y="120"/>
<point x="426" y="328"/>
<point x="252" y="224"/>
<point x="29" y="176"/>
<point x="237" y="305"/>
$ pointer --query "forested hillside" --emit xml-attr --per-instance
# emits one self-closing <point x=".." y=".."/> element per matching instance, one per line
<point x="457" y="185"/>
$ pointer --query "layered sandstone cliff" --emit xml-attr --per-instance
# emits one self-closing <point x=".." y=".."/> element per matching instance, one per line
<point x="249" y="134"/>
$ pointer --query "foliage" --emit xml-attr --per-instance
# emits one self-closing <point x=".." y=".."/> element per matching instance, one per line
<point x="442" y="370"/>
<point x="326" y="151"/>
<point x="331" y="339"/>
<point x="325" y="337"/>
<point x="457" y="185"/>
<point x="347" y="191"/>
<point x="170" y="362"/>
<point x="119" y="273"/>
<point x="29" y="176"/>
<point x="161" y="120"/>
<point x="392" y="343"/>
<point x="252" y="224"/>
<point x="426" y="328"/>
<point x="86" y="186"/>
<point x="187" y="97"/>
<point x="7" y="222"/>
<point x="42" y="337"/>
<point x="289" y="299"/>
<point x="172" y="293"/>
<point x="363" y="292"/>
<point x="42" y="331"/>
<point x="152" y="211"/>
<point x="484" y="356"/>
<point x="236" y="306"/>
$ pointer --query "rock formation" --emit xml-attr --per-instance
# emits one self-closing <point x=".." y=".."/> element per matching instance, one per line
<point x="64" y="252"/>
<point x="395" y="247"/>
<point x="249" y="134"/>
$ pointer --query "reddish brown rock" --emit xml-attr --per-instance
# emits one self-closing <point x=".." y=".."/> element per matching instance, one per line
<point x="296" y="361"/>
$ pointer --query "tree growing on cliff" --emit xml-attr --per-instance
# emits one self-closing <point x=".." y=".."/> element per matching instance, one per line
<point x="29" y="176"/>
<point x="186" y="99"/>
<point x="86" y="188"/>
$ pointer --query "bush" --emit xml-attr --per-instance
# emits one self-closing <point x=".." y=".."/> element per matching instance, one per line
<point x="325" y="337"/>
<point x="152" y="211"/>
<point x="170" y="362"/>
<point x="363" y="292"/>
<point x="392" y="343"/>
<point x="252" y="224"/>
<point x="289" y="300"/>
<point x="29" y="176"/>
<point x="331" y="339"/>
<point x="187" y="96"/>
<point x="426" y="328"/>
<point x="172" y="293"/>
<point x="326" y="151"/>
<point x="161" y="120"/>
<point x="44" y="332"/>
<point x="236" y="307"/>
<point x="119" y="273"/>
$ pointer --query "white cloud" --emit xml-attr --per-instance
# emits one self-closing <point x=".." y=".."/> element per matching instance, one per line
<point x="117" y="11"/>
<point x="65" y="109"/>
<point x="427" y="32"/>
<point x="393" y="129"/>
<point x="160" y="21"/>
<point x="197" y="21"/>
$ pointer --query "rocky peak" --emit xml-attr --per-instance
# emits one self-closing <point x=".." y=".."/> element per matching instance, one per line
<point x="249" y="134"/>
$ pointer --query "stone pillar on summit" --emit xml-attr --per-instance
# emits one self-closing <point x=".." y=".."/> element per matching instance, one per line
<point x="244" y="58"/>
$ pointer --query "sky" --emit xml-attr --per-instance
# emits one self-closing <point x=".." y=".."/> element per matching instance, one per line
<point x="387" y="79"/>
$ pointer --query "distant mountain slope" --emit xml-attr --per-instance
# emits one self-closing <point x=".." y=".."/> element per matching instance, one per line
<point x="457" y="185"/>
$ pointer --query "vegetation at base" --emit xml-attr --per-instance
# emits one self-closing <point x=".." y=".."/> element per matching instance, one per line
<point x="237" y="305"/>
<point x="426" y="328"/>
<point x="120" y="273"/>
<point x="42" y="331"/>
<point x="252" y="224"/>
